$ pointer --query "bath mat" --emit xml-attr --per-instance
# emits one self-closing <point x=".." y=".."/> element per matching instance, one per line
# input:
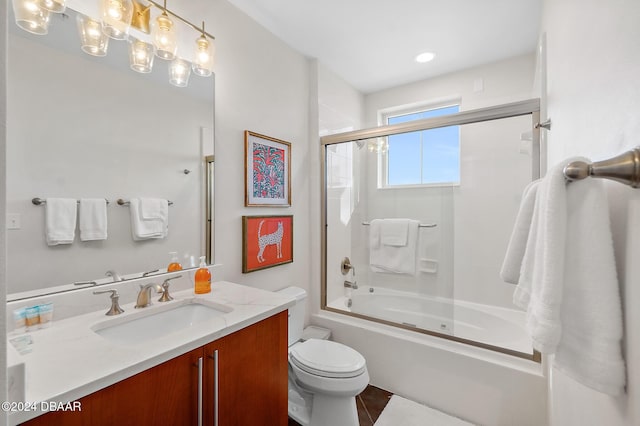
<point x="402" y="412"/>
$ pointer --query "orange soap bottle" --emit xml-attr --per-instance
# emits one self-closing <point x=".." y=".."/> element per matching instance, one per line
<point x="202" y="278"/>
<point x="174" y="264"/>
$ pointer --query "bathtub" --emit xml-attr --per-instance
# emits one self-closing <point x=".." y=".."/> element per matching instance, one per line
<point x="474" y="382"/>
<point x="494" y="326"/>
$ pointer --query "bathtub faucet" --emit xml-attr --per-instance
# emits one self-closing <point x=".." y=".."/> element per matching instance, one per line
<point x="351" y="285"/>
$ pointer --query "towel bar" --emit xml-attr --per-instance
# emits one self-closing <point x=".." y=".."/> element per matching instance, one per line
<point x="40" y="201"/>
<point x="122" y="202"/>
<point x="624" y="168"/>
<point x="422" y="225"/>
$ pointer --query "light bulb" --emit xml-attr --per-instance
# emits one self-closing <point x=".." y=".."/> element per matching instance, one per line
<point x="164" y="37"/>
<point x="179" y="72"/>
<point x="203" y="62"/>
<point x="116" y="18"/>
<point x="141" y="56"/>
<point x="31" y="17"/>
<point x="93" y="40"/>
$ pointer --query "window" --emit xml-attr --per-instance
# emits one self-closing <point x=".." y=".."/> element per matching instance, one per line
<point x="425" y="157"/>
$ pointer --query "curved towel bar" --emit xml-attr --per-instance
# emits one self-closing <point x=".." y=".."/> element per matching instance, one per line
<point x="625" y="168"/>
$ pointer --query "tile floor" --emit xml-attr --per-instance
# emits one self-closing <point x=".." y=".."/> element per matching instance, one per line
<point x="370" y="404"/>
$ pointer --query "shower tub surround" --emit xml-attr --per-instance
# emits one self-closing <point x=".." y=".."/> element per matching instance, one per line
<point x="69" y="360"/>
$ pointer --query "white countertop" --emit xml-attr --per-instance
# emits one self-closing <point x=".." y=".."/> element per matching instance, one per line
<point x="69" y="360"/>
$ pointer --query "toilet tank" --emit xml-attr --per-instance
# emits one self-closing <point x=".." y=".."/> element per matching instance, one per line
<point x="296" y="312"/>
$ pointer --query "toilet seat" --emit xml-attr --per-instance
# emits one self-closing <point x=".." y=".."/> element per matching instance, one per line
<point x="325" y="358"/>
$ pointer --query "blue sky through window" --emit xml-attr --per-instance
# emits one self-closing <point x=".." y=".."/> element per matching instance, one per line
<point x="427" y="156"/>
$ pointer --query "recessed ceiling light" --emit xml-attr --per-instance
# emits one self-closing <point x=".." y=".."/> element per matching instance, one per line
<point x="425" y="57"/>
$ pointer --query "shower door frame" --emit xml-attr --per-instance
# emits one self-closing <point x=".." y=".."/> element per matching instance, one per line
<point x="514" y="109"/>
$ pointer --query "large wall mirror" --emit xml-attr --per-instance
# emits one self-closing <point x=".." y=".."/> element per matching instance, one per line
<point x="87" y="127"/>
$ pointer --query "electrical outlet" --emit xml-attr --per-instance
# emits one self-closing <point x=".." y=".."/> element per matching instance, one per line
<point x="13" y="221"/>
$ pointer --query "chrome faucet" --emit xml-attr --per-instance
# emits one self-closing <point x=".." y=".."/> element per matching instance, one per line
<point x="144" y="296"/>
<point x="113" y="274"/>
<point x="115" y="307"/>
<point x="351" y="285"/>
<point x="166" y="297"/>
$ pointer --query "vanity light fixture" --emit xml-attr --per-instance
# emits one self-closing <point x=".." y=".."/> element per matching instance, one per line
<point x="55" y="6"/>
<point x="92" y="40"/>
<point x="204" y="55"/>
<point x="116" y="18"/>
<point x="31" y="17"/>
<point x="425" y="57"/>
<point x="141" y="55"/>
<point x="164" y="36"/>
<point x="179" y="72"/>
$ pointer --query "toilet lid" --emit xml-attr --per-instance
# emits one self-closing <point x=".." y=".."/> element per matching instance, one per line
<point x="327" y="359"/>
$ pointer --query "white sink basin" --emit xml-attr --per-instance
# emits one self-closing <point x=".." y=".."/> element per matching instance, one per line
<point x="158" y="321"/>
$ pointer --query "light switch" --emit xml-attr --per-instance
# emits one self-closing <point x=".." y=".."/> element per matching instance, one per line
<point x="13" y="220"/>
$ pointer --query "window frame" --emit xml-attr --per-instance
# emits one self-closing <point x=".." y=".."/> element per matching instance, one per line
<point x="383" y="157"/>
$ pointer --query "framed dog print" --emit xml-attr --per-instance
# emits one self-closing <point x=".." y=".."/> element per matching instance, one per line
<point x="267" y="171"/>
<point x="267" y="241"/>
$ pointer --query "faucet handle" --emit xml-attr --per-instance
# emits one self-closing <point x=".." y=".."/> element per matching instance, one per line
<point x="115" y="306"/>
<point x="165" y="290"/>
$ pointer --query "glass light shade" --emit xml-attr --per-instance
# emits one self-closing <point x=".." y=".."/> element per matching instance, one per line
<point x="164" y="38"/>
<point x="93" y="40"/>
<point x="116" y="18"/>
<point x="179" y="72"/>
<point x="203" y="57"/>
<point x="55" y="6"/>
<point x="31" y="17"/>
<point x="141" y="56"/>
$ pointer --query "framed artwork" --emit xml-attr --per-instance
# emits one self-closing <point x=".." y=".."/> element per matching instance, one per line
<point x="267" y="241"/>
<point x="267" y="171"/>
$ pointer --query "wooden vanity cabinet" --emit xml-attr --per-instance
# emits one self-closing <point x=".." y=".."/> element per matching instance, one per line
<point x="250" y="387"/>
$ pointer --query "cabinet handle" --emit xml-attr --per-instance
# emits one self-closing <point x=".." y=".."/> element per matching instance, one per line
<point x="215" y="387"/>
<point x="200" y="391"/>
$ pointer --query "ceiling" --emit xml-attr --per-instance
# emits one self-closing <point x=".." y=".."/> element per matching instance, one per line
<point x="372" y="43"/>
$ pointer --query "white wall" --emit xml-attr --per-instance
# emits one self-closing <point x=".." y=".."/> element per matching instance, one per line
<point x="593" y="61"/>
<point x="129" y="138"/>
<point x="262" y="85"/>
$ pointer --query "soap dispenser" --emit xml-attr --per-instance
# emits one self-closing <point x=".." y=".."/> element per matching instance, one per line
<point x="202" y="278"/>
<point x="174" y="264"/>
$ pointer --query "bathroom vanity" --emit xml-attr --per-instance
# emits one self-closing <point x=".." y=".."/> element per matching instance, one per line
<point x="226" y="367"/>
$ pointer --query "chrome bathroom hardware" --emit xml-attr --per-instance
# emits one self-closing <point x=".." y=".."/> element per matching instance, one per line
<point x="346" y="265"/>
<point x="352" y="285"/>
<point x="41" y="201"/>
<point x="115" y="307"/>
<point x="113" y="274"/>
<point x="422" y="225"/>
<point x="122" y="202"/>
<point x="144" y="296"/>
<point x="545" y="124"/>
<point x="165" y="290"/>
<point x="624" y="168"/>
<point x="91" y="283"/>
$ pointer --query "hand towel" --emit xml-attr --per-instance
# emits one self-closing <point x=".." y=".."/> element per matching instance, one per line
<point x="154" y="208"/>
<point x="60" y="220"/>
<point x="393" y="259"/>
<point x="93" y="219"/>
<point x="568" y="284"/>
<point x="510" y="271"/>
<point x="144" y="229"/>
<point x="394" y="232"/>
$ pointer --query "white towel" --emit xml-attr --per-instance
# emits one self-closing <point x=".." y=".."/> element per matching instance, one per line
<point x="568" y="285"/>
<point x="60" y="220"/>
<point x="510" y="271"/>
<point x="93" y="219"/>
<point x="393" y="259"/>
<point x="154" y="208"/>
<point x="394" y="232"/>
<point x="144" y="229"/>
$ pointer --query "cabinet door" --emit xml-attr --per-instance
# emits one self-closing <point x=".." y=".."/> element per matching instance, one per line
<point x="163" y="395"/>
<point x="252" y="375"/>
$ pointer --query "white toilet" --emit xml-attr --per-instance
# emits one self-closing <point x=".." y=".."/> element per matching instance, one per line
<point x="324" y="376"/>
